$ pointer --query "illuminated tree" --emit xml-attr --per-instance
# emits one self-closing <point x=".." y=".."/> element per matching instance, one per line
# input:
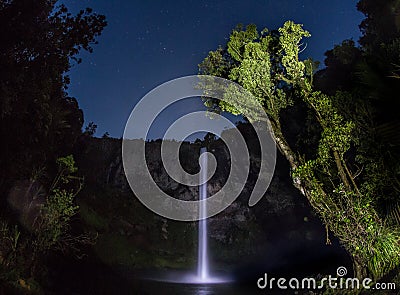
<point x="268" y="65"/>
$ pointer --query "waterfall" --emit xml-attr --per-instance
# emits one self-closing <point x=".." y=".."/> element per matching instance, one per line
<point x="202" y="263"/>
<point x="203" y="275"/>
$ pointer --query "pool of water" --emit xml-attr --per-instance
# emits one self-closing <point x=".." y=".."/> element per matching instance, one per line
<point x="176" y="282"/>
<point x="157" y="287"/>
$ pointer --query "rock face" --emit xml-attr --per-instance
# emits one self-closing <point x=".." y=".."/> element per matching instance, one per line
<point x="282" y="216"/>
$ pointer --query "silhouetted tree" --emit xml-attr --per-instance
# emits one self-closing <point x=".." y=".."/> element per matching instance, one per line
<point x="366" y="77"/>
<point x="90" y="129"/>
<point x="40" y="124"/>
<point x="39" y="42"/>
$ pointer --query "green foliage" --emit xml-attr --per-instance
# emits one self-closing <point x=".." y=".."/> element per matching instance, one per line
<point x="268" y="66"/>
<point x="22" y="254"/>
<point x="239" y="38"/>
<point x="15" y="257"/>
<point x="215" y="64"/>
<point x="56" y="213"/>
<point x="257" y="62"/>
<point x="291" y="36"/>
<point x="337" y="133"/>
<point x="383" y="254"/>
<point x="66" y="166"/>
<point x="53" y="223"/>
<point x="10" y="240"/>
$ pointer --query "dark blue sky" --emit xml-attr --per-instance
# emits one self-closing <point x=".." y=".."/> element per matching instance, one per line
<point x="147" y="43"/>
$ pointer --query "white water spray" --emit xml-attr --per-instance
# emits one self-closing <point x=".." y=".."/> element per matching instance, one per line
<point x="202" y="267"/>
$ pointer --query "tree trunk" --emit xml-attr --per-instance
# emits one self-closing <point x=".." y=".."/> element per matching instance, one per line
<point x="359" y="266"/>
<point x="360" y="270"/>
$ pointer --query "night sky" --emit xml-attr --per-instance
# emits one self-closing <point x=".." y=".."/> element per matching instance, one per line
<point x="147" y="43"/>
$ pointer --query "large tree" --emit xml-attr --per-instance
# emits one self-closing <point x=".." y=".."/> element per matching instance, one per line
<point x="268" y="65"/>
<point x="39" y="42"/>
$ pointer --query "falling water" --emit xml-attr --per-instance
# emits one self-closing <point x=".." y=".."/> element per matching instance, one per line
<point x="203" y="275"/>
<point x="202" y="270"/>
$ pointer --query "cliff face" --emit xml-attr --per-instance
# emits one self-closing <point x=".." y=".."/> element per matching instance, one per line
<point x="282" y="217"/>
